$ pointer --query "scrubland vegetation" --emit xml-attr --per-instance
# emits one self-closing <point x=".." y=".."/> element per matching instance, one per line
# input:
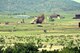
<point x="32" y="48"/>
<point x="52" y="36"/>
<point x="19" y="34"/>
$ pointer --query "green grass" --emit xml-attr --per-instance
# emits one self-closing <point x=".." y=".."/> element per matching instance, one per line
<point x="65" y="25"/>
<point x="59" y="32"/>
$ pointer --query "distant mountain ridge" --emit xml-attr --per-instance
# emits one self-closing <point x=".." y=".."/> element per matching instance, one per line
<point x="38" y="5"/>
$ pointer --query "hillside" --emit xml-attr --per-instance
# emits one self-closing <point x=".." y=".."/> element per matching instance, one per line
<point x="38" y="6"/>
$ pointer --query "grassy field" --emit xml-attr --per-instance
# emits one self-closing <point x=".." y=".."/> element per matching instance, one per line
<point x="61" y="32"/>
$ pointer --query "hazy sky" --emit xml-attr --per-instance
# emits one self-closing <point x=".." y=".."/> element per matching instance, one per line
<point x="77" y="1"/>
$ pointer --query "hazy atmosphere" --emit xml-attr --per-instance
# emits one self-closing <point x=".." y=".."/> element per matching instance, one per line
<point x="37" y="6"/>
<point x="77" y="0"/>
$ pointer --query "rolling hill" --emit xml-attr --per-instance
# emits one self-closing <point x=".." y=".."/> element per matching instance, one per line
<point x="38" y="6"/>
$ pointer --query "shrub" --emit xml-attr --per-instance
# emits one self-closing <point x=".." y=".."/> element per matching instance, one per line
<point x="31" y="48"/>
<point x="2" y="40"/>
<point x="8" y="50"/>
<point x="22" y="48"/>
<point x="1" y="49"/>
<point x="6" y="23"/>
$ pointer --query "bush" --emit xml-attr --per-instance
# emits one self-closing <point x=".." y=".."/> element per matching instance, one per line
<point x="2" y="40"/>
<point x="6" y="23"/>
<point x="31" y="48"/>
<point x="1" y="49"/>
<point x="8" y="50"/>
<point x="22" y="48"/>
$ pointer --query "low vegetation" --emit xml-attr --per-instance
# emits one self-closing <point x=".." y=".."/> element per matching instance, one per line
<point x="32" y="48"/>
<point x="57" y="36"/>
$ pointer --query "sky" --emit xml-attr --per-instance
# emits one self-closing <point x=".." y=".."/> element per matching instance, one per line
<point x="77" y="1"/>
